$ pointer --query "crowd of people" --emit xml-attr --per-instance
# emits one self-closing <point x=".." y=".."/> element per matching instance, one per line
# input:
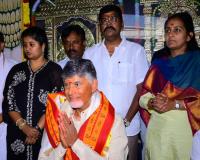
<point x="98" y="102"/>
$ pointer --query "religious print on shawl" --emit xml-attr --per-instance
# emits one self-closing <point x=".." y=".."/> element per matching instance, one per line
<point x="26" y="92"/>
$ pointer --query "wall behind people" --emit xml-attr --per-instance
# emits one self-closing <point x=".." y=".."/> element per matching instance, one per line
<point x="14" y="18"/>
<point x="143" y="20"/>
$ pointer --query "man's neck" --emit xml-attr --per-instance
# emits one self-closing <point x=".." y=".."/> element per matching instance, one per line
<point x="110" y="45"/>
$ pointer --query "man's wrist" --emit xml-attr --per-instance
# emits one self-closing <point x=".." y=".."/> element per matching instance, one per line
<point x="39" y="129"/>
<point x="126" y="122"/>
<point x="72" y="143"/>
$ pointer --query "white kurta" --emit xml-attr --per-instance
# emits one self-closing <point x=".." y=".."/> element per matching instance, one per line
<point x="5" y="66"/>
<point x="118" y="148"/>
<point x="195" y="155"/>
<point x="119" y="74"/>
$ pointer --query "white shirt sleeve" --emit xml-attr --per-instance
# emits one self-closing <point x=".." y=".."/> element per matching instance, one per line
<point x="141" y="65"/>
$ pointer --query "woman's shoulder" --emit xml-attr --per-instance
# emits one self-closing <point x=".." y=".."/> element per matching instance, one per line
<point x="194" y="55"/>
<point x="160" y="54"/>
<point x="197" y="52"/>
<point x="17" y="69"/>
<point x="19" y="66"/>
<point x="53" y="64"/>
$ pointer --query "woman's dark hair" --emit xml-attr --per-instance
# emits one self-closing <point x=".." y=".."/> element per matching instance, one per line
<point x="75" y="29"/>
<point x="192" y="45"/>
<point x="39" y="35"/>
<point x="110" y="8"/>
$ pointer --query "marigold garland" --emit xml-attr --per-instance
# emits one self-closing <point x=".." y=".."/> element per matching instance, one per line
<point x="11" y="21"/>
<point x="25" y="14"/>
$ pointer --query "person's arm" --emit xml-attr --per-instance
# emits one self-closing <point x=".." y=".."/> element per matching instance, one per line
<point x="133" y="109"/>
<point x="161" y="103"/>
<point x="29" y="131"/>
<point x="41" y="122"/>
<point x="141" y="67"/>
<point x="118" y="149"/>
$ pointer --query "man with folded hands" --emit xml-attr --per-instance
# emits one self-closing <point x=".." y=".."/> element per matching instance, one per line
<point x="81" y="123"/>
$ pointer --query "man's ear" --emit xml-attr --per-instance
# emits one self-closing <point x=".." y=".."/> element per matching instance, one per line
<point x="2" y="46"/>
<point x="84" y="43"/>
<point x="122" y="25"/>
<point x="94" y="85"/>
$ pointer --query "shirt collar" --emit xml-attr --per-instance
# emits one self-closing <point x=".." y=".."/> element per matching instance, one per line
<point x="67" y="58"/>
<point x="121" y="43"/>
<point x="2" y="58"/>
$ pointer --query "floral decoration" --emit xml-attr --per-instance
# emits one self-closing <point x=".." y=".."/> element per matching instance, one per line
<point x="14" y="17"/>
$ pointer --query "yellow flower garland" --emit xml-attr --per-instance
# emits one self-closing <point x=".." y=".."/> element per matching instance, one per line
<point x="25" y="14"/>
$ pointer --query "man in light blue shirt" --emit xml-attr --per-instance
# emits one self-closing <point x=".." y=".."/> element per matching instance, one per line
<point x="73" y="40"/>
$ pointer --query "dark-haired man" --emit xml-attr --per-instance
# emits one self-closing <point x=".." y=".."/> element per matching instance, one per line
<point x="73" y="40"/>
<point x="121" y="67"/>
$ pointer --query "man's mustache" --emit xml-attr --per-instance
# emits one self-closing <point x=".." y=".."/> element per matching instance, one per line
<point x="110" y="27"/>
<point x="71" y="50"/>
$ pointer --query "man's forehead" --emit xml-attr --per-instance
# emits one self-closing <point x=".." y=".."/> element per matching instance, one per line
<point x="74" y="78"/>
<point x="108" y="14"/>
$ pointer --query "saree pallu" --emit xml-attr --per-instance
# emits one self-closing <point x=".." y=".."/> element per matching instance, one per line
<point x="178" y="78"/>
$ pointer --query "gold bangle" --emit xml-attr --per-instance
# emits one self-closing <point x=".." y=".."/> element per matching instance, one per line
<point x="21" y="126"/>
<point x="18" y="121"/>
